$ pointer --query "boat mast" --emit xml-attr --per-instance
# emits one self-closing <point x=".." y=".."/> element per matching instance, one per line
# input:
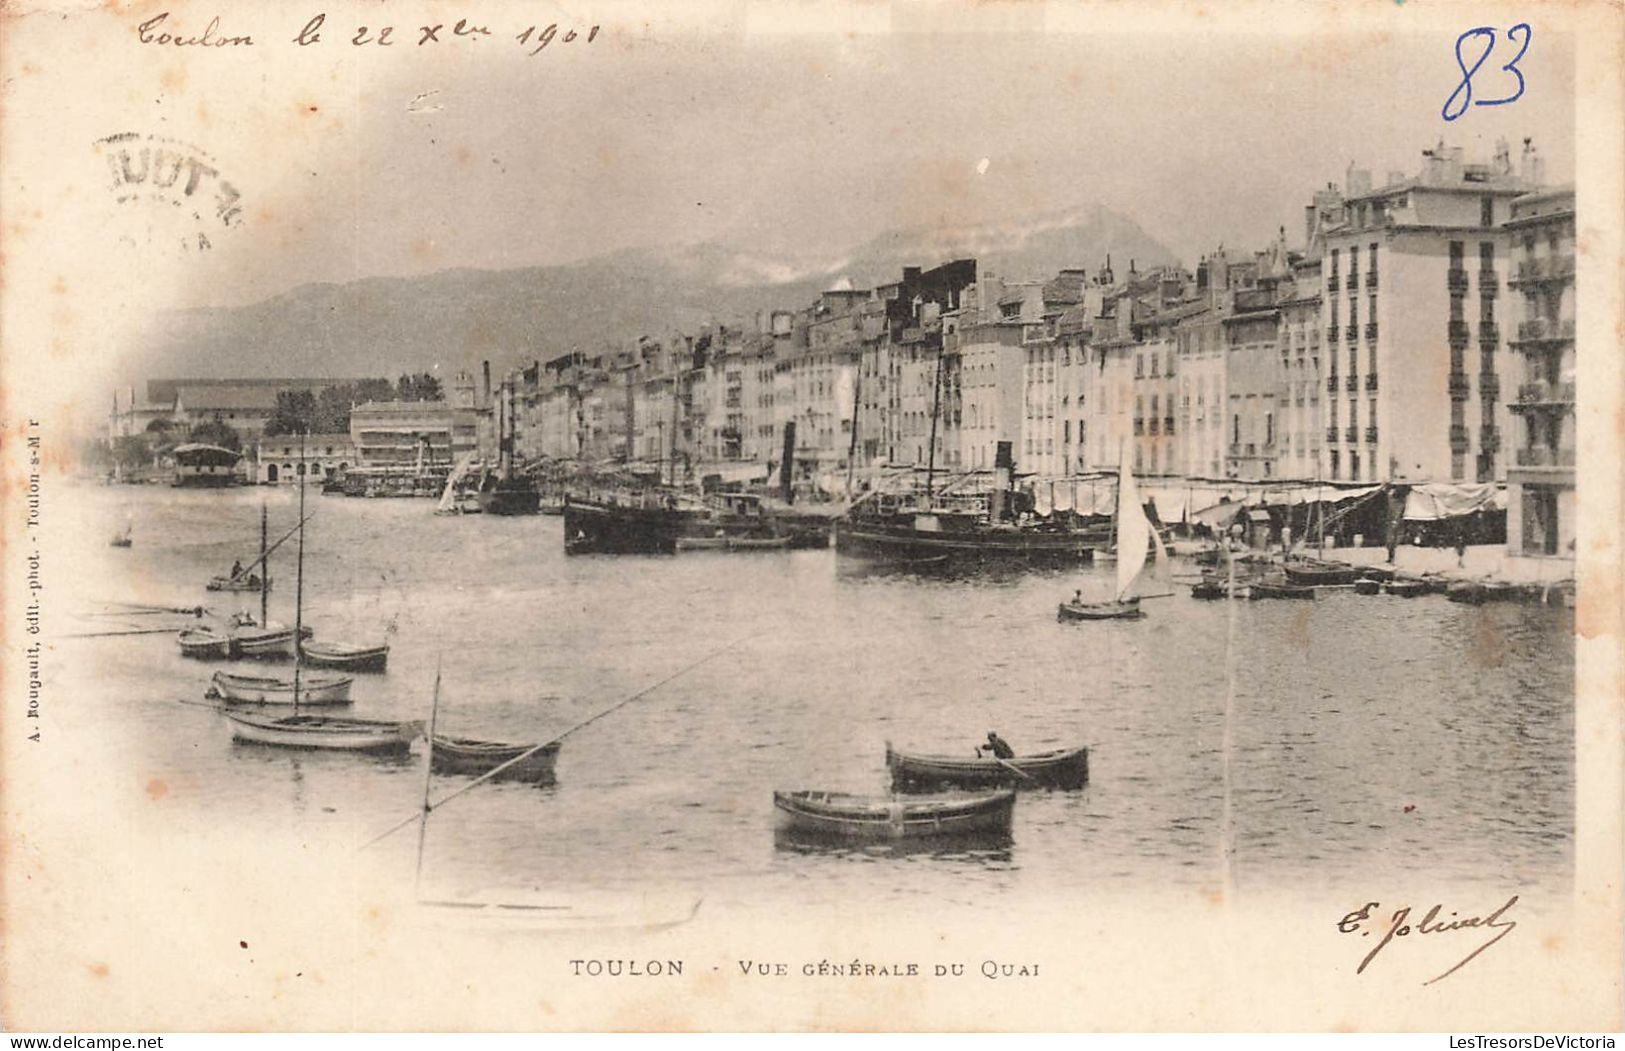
<point x="265" y="573"/>
<point x="298" y="580"/>
<point x="428" y="772"/>
<point x="852" y="446"/>
<point x="931" y="450"/>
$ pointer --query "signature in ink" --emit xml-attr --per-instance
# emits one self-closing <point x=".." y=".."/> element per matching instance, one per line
<point x="1363" y="921"/>
<point x="1456" y="105"/>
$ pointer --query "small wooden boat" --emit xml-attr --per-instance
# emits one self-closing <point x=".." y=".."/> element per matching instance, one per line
<point x="1061" y="768"/>
<point x="204" y="644"/>
<point x="121" y="540"/>
<point x="246" y="582"/>
<point x="347" y="656"/>
<point x="258" y="689"/>
<point x="273" y="641"/>
<point x="1367" y="586"/>
<point x="702" y="543"/>
<point x="464" y="755"/>
<point x="1378" y="573"/>
<point x="1406" y="587"/>
<point x="758" y="543"/>
<point x="1127" y="609"/>
<point x="1478" y="592"/>
<point x="324" y="732"/>
<point x="1273" y="589"/>
<point x="838" y="815"/>
<point x="1308" y="572"/>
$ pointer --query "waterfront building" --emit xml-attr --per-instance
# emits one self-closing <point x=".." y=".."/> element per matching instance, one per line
<point x="396" y="434"/>
<point x="1542" y="511"/>
<point x="1414" y="346"/>
<point x="279" y="461"/>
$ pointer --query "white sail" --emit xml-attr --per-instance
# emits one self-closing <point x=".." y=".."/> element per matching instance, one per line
<point x="1133" y="530"/>
<point x="448" y="495"/>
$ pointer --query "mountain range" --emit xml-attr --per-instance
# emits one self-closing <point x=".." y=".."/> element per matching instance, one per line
<point x="452" y="319"/>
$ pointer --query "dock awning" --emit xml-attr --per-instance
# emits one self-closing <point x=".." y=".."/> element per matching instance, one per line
<point x="1437" y="500"/>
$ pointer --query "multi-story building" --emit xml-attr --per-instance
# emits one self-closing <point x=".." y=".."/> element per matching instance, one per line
<point x="1541" y="508"/>
<point x="284" y="459"/>
<point x="1412" y="307"/>
<point x="410" y="433"/>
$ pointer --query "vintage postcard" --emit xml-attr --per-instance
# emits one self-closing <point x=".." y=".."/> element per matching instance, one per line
<point x="931" y="515"/>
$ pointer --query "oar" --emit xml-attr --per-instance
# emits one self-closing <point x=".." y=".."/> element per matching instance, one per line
<point x="1013" y="767"/>
<point x="109" y="634"/>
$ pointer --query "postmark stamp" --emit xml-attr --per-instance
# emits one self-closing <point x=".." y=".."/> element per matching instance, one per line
<point x="172" y="186"/>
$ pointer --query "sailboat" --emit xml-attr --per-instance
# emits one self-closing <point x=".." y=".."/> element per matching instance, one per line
<point x="449" y="504"/>
<point x="318" y="732"/>
<point x="123" y="539"/>
<point x="1134" y="536"/>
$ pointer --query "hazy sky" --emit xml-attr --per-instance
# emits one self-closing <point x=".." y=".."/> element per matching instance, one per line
<point x="810" y="143"/>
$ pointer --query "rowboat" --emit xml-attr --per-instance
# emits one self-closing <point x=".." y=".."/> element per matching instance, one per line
<point x="1406" y="588"/>
<point x="1477" y="592"/>
<point x="702" y="543"/>
<point x="257" y="689"/>
<point x="324" y="732"/>
<point x="248" y="582"/>
<point x="1127" y="609"/>
<point x="758" y="543"/>
<point x="1310" y="572"/>
<point x="1061" y="768"/>
<point x="348" y="656"/>
<point x="204" y="644"/>
<point x="464" y="755"/>
<point x="1367" y="586"/>
<point x="839" y="815"/>
<point x="1275" y="589"/>
<point x="270" y="642"/>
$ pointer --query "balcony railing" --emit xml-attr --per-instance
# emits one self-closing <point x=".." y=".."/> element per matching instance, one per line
<point x="1457" y="281"/>
<point x="1555" y="268"/>
<point x="1167" y="425"/>
<point x="1458" y="330"/>
<point x="1332" y="283"/>
<point x="1489" y="286"/>
<point x="1458" y="436"/>
<point x="1371" y="280"/>
<point x="1543" y="393"/>
<point x="1139" y="426"/>
<point x="1546" y="328"/>
<point x="1352" y="333"/>
<point x="1351" y="382"/>
<point x="1371" y="435"/>
<point x="1155" y="428"/>
<point x="1331" y="333"/>
<point x="1371" y="381"/>
<point x="1459" y="387"/>
<point x="1371" y="331"/>
<point x="1489" y="386"/>
<point x="1331" y="433"/>
<point x="1351" y="434"/>
<point x="1489" y="332"/>
<point x="1331" y="383"/>
<point x="1545" y="456"/>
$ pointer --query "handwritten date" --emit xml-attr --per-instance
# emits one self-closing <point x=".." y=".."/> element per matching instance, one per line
<point x="533" y="38"/>
<point x="1398" y="925"/>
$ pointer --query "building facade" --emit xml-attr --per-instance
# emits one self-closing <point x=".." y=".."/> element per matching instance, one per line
<point x="1542" y="510"/>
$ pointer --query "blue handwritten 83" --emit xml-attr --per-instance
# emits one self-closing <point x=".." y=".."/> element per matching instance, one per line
<point x="1464" y="91"/>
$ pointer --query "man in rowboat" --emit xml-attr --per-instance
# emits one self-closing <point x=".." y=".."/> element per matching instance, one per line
<point x="997" y="746"/>
<point x="236" y="569"/>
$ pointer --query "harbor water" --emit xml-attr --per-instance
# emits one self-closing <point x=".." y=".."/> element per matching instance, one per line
<point x="1365" y="734"/>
